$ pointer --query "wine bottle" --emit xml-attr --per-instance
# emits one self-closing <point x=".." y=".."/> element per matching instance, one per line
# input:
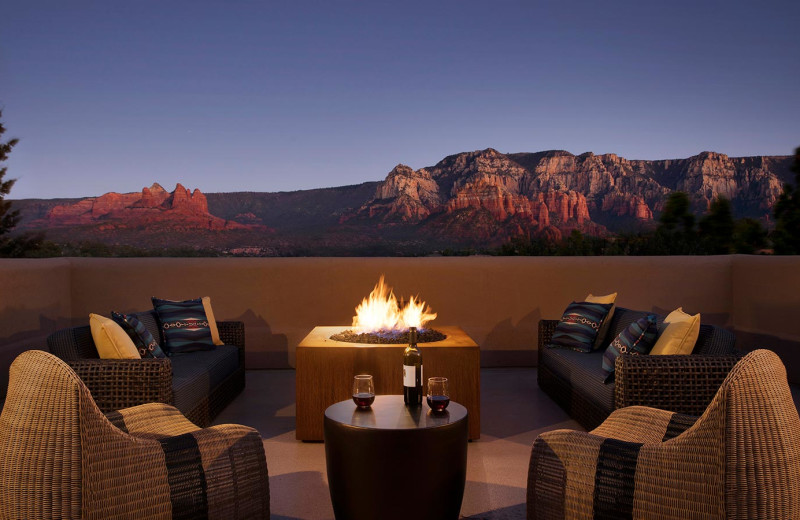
<point x="412" y="371"/>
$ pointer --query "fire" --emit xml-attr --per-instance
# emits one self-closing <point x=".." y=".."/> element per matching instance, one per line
<point x="381" y="312"/>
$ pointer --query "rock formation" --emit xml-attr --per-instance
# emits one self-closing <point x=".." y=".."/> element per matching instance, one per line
<point x="181" y="209"/>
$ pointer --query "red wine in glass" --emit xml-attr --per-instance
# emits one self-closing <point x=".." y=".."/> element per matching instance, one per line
<point x="438" y="402"/>
<point x="364" y="400"/>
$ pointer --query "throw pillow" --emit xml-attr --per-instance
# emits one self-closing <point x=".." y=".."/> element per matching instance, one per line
<point x="579" y="325"/>
<point x="638" y="338"/>
<point x="212" y="322"/>
<point x="678" y="335"/>
<point x="110" y="340"/>
<point x="144" y="341"/>
<point x="184" y="324"/>
<point x="608" y="298"/>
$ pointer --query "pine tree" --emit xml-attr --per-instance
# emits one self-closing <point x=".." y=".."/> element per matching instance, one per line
<point x="716" y="228"/>
<point x="786" y="238"/>
<point x="8" y="218"/>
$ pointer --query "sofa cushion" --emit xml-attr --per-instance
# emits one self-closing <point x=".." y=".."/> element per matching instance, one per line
<point x="580" y="325"/>
<point x="638" y="338"/>
<point x="583" y="371"/>
<point x="678" y="335"/>
<point x="184" y="324"/>
<point x="111" y="341"/>
<point x="600" y="342"/>
<point x="145" y="342"/>
<point x="195" y="374"/>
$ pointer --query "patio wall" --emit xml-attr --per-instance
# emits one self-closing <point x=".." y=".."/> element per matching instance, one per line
<point x="497" y="300"/>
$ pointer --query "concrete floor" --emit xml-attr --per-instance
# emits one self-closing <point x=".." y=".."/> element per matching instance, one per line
<point x="513" y="412"/>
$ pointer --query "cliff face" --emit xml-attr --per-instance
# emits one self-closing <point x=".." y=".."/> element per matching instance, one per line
<point x="179" y="210"/>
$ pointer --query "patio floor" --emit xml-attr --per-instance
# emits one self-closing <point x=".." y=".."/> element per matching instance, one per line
<point x="513" y="412"/>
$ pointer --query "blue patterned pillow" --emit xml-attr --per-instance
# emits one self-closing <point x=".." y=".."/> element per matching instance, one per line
<point x="184" y="324"/>
<point x="638" y="338"/>
<point x="580" y="324"/>
<point x="147" y="345"/>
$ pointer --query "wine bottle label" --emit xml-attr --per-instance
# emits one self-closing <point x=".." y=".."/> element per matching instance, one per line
<point x="409" y="373"/>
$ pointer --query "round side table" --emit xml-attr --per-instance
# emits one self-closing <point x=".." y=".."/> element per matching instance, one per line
<point x="391" y="461"/>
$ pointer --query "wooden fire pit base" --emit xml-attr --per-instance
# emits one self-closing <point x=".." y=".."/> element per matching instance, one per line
<point x="325" y="370"/>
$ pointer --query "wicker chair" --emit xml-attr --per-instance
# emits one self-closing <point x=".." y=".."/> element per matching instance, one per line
<point x="740" y="459"/>
<point x="60" y="457"/>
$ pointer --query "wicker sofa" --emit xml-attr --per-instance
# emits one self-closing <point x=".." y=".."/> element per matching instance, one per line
<point x="684" y="384"/>
<point x="199" y="384"/>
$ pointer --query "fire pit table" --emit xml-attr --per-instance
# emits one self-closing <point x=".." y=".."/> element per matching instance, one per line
<point x="325" y="370"/>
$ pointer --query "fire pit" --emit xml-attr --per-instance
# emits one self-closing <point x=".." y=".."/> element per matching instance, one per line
<point x="327" y="360"/>
<point x="380" y="318"/>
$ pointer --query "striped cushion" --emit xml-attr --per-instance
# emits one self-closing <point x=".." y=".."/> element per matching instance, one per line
<point x="638" y="338"/>
<point x="144" y="341"/>
<point x="184" y="324"/>
<point x="580" y="324"/>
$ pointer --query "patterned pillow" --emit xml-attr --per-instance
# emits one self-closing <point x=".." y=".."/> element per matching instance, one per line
<point x="144" y="341"/>
<point x="580" y="324"/>
<point x="638" y="338"/>
<point x="184" y="324"/>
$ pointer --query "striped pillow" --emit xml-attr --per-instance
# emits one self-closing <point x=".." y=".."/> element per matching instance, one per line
<point x="638" y="338"/>
<point x="147" y="345"/>
<point x="580" y="324"/>
<point x="184" y="324"/>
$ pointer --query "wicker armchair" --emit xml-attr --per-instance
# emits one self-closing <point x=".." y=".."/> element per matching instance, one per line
<point x="60" y="457"/>
<point x="740" y="459"/>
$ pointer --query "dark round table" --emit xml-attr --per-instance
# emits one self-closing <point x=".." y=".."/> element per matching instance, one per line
<point x="395" y="462"/>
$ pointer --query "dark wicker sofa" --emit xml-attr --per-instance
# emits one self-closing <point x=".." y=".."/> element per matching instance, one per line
<point x="681" y="383"/>
<point x="199" y="384"/>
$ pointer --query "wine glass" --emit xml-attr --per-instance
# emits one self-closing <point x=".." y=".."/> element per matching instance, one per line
<point x="363" y="390"/>
<point x="438" y="393"/>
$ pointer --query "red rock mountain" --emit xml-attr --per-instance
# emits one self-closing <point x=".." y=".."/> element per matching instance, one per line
<point x="472" y="199"/>
<point x="180" y="210"/>
<point x="550" y="193"/>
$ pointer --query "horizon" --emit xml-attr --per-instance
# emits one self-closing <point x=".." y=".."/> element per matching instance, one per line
<point x="376" y="181"/>
<point x="279" y="98"/>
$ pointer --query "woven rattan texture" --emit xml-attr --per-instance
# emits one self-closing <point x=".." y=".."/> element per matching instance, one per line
<point x="61" y="458"/>
<point x="683" y="384"/>
<point x="116" y="384"/>
<point x="740" y="459"/>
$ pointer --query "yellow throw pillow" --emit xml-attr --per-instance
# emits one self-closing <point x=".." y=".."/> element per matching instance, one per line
<point x="212" y="323"/>
<point x="111" y="340"/>
<point x="679" y="334"/>
<point x="608" y="298"/>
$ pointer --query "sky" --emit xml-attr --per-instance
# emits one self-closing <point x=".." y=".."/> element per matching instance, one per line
<point x="289" y="95"/>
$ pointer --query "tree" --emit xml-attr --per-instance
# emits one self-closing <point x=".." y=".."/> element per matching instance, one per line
<point x="716" y="228"/>
<point x="8" y="218"/>
<point x="749" y="236"/>
<point x="786" y="237"/>
<point x="675" y="234"/>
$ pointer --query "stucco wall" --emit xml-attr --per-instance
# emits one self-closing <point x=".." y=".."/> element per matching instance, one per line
<point x="34" y="301"/>
<point x="498" y="301"/>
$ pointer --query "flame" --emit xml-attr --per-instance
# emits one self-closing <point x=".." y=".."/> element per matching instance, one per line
<point x="381" y="312"/>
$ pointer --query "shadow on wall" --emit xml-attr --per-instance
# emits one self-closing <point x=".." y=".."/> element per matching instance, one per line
<point x="262" y="347"/>
<point x="512" y="345"/>
<point x="17" y="343"/>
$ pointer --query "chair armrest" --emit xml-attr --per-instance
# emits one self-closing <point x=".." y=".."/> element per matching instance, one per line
<point x="231" y="332"/>
<point x="121" y="383"/>
<point x="546" y="329"/>
<point x="683" y="383"/>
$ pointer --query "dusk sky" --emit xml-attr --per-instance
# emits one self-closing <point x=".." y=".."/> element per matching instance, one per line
<point x="278" y="96"/>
